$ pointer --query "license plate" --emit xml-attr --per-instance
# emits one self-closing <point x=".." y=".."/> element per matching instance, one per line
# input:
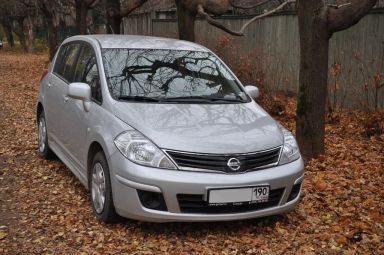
<point x="238" y="196"/>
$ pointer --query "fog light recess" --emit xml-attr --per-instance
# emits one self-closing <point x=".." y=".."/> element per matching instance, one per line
<point x="294" y="192"/>
<point x="152" y="200"/>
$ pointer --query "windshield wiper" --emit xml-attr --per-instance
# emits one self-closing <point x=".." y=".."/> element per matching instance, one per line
<point x="228" y="99"/>
<point x="140" y="98"/>
<point x="195" y="99"/>
<point x="201" y="99"/>
<point x="186" y="99"/>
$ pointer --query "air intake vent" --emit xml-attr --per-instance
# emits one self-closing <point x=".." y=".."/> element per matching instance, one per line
<point x="195" y="204"/>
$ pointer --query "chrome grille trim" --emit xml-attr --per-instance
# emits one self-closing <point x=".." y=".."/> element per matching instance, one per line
<point x="211" y="159"/>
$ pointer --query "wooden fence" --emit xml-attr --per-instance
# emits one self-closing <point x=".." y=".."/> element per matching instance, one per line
<point x="269" y="53"/>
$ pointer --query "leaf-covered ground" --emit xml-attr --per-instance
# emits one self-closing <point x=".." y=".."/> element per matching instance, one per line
<point x="45" y="210"/>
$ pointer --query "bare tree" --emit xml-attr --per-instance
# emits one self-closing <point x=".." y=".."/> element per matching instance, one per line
<point x="18" y="17"/>
<point x="50" y="10"/>
<point x="26" y="21"/>
<point x="116" y="12"/>
<point x="6" y="23"/>
<point x="82" y="7"/>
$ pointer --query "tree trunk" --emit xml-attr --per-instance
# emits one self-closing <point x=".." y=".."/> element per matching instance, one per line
<point x="314" y="42"/>
<point x="49" y="10"/>
<point x="8" y="32"/>
<point x="20" y="33"/>
<point x="114" y="23"/>
<point x="113" y="16"/>
<point x="186" y="22"/>
<point x="78" y="15"/>
<point x="317" y="22"/>
<point x="53" y="41"/>
<point x="30" y="34"/>
<point x="81" y="17"/>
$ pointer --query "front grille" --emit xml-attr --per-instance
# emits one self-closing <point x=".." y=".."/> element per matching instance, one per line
<point x="218" y="162"/>
<point x="195" y="204"/>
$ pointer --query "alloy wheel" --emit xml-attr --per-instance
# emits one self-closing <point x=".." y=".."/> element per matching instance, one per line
<point x="42" y="134"/>
<point x="98" y="187"/>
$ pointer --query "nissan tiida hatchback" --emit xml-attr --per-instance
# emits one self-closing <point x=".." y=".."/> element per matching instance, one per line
<point x="162" y="130"/>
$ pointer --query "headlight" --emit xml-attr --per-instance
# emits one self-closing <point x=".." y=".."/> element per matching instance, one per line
<point x="137" y="148"/>
<point x="290" y="149"/>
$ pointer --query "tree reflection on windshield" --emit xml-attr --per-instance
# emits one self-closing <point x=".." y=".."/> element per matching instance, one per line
<point x="168" y="74"/>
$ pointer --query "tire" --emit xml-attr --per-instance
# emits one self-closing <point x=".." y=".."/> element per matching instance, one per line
<point x="101" y="190"/>
<point x="42" y="138"/>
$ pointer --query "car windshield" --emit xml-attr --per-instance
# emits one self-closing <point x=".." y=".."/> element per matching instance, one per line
<point x="169" y="76"/>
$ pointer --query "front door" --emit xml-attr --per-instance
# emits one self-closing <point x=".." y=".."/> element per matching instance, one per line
<point x="77" y="121"/>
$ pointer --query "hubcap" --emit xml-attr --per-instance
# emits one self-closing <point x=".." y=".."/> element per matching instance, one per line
<point x="42" y="134"/>
<point x="98" y="187"/>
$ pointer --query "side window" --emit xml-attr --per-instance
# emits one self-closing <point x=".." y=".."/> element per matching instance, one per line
<point x="70" y="61"/>
<point x="65" y="61"/>
<point x="87" y="72"/>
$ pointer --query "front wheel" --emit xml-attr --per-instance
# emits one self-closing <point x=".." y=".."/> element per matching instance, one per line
<point x="101" y="190"/>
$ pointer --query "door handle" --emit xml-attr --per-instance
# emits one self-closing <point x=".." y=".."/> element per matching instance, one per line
<point x="49" y="85"/>
<point x="65" y="98"/>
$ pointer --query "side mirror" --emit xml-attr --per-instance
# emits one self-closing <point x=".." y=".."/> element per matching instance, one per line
<point x="80" y="91"/>
<point x="252" y="91"/>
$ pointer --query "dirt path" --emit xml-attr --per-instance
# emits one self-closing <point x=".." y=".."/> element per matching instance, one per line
<point x="45" y="210"/>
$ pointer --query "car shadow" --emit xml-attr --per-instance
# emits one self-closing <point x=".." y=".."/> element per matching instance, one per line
<point x="257" y="225"/>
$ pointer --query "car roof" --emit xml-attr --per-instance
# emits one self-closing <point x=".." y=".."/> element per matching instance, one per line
<point x="140" y="42"/>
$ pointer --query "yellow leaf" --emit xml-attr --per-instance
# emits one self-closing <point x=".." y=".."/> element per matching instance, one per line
<point x="3" y="235"/>
<point x="341" y="240"/>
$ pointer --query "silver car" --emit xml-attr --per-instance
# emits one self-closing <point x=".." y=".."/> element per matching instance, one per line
<point x="161" y="130"/>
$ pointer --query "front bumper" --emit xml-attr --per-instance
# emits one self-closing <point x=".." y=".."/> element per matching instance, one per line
<point x="127" y="178"/>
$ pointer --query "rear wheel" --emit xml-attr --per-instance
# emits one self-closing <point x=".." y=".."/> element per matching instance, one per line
<point x="42" y="137"/>
<point x="101" y="190"/>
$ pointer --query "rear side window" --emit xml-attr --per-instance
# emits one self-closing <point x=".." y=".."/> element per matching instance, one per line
<point x="66" y="60"/>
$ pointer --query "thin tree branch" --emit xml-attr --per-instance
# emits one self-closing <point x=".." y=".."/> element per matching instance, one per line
<point x="92" y="4"/>
<point x="338" y="6"/>
<point x="278" y="8"/>
<point x="213" y="22"/>
<point x="133" y="5"/>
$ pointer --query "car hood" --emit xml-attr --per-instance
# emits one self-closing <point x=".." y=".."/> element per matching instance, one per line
<point x="203" y="128"/>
